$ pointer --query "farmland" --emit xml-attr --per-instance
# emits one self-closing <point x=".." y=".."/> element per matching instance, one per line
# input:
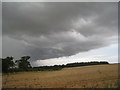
<point x="97" y="76"/>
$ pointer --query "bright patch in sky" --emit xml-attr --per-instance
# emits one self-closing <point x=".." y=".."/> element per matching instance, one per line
<point x="109" y="54"/>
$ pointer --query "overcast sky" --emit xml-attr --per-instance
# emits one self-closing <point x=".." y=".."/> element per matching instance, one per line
<point x="60" y="32"/>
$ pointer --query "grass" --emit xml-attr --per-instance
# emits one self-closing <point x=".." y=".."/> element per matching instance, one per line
<point x="98" y="76"/>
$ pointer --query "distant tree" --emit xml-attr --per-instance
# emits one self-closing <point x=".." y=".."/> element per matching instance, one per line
<point x="23" y="63"/>
<point x="7" y="63"/>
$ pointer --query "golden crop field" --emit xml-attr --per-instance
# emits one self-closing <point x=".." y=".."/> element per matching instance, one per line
<point x="98" y="76"/>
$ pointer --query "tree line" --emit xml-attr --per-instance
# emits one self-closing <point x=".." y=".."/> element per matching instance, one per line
<point x="10" y="65"/>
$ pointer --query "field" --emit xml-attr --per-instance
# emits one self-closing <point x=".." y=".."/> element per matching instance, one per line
<point x="98" y="76"/>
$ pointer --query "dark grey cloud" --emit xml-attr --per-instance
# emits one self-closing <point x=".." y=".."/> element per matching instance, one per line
<point x="57" y="29"/>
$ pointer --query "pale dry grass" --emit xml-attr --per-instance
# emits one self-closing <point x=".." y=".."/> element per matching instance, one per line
<point x="98" y="76"/>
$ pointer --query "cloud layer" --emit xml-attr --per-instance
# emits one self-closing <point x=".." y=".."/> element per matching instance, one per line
<point x="57" y="29"/>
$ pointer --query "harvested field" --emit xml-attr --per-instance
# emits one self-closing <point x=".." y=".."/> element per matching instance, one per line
<point x="98" y="76"/>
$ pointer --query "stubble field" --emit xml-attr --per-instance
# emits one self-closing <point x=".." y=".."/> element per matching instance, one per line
<point x="98" y="76"/>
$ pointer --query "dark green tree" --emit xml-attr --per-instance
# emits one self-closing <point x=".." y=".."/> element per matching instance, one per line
<point x="7" y="64"/>
<point x="23" y="63"/>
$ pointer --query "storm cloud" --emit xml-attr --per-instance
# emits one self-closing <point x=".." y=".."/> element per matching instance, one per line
<point x="56" y="29"/>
